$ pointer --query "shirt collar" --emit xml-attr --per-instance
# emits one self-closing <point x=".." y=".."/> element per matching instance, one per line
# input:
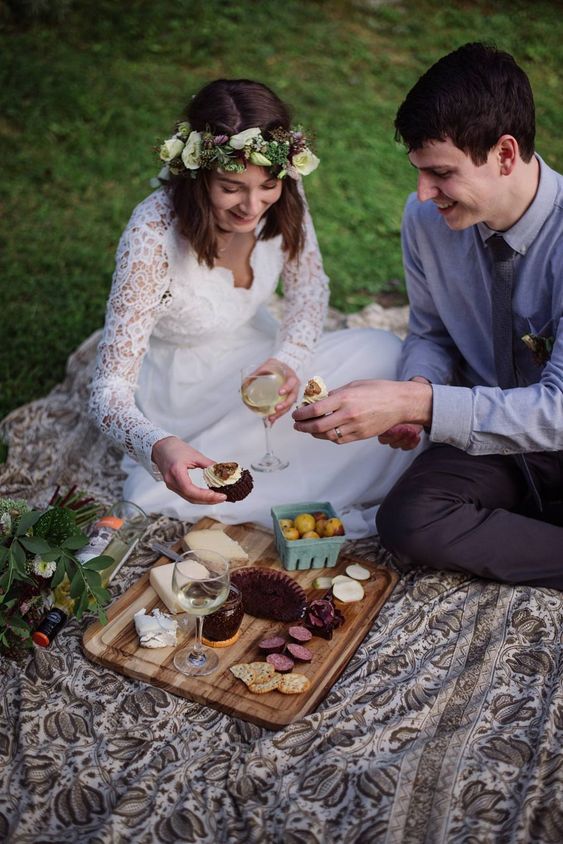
<point x="522" y="234"/>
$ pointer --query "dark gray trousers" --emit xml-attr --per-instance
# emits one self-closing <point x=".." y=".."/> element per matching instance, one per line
<point x="454" y="511"/>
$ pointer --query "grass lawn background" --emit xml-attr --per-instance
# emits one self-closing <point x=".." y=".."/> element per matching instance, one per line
<point x="86" y="96"/>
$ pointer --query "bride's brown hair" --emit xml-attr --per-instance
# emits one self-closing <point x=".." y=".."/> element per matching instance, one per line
<point x="226" y="107"/>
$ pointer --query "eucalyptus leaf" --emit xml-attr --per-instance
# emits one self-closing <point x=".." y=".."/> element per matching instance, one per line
<point x="59" y="574"/>
<point x="18" y="554"/>
<point x="98" y="563"/>
<point x="76" y="541"/>
<point x="35" y="544"/>
<point x="52" y="555"/>
<point x="26" y="521"/>
<point x="76" y="585"/>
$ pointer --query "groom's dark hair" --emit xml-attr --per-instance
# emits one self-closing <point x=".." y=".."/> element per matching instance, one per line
<point x="471" y="96"/>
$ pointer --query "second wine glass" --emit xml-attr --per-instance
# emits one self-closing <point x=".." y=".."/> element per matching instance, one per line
<point x="200" y="582"/>
<point x="260" y="391"/>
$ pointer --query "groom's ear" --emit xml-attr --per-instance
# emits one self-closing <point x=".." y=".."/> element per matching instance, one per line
<point x="507" y="152"/>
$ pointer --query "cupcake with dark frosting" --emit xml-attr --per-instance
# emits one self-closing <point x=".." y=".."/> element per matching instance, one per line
<point x="230" y="479"/>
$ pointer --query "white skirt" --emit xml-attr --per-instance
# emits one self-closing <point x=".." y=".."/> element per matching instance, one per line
<point x="195" y="394"/>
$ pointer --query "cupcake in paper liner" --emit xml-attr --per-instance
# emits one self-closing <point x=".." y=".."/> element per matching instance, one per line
<point x="315" y="390"/>
<point x="230" y="479"/>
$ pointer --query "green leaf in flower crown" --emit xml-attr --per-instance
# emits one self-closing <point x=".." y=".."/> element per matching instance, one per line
<point x="35" y="544"/>
<point x="26" y="521"/>
<point x="99" y="563"/>
<point x="76" y="541"/>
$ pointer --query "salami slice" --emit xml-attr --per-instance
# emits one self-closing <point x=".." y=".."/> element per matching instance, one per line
<point x="274" y="645"/>
<point x="300" y="634"/>
<point x="300" y="652"/>
<point x="281" y="662"/>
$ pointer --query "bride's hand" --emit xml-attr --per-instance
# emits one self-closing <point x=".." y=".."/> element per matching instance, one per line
<point x="174" y="457"/>
<point x="289" y="391"/>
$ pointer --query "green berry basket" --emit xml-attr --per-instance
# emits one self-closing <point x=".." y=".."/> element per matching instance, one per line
<point x="301" y="554"/>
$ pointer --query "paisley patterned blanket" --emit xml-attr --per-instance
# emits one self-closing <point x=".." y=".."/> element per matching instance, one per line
<point x="447" y="725"/>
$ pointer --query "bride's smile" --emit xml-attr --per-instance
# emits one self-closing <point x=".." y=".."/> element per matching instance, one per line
<point x="240" y="200"/>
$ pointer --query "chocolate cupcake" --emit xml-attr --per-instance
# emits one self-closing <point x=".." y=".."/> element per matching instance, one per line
<point x="230" y="479"/>
<point x="315" y="390"/>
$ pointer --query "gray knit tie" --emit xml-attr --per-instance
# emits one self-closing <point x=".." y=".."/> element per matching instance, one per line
<point x="501" y="298"/>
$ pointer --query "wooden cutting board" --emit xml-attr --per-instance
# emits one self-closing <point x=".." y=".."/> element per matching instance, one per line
<point x="116" y="644"/>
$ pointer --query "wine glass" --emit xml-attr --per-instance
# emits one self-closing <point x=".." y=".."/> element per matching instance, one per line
<point x="260" y="386"/>
<point x="200" y="582"/>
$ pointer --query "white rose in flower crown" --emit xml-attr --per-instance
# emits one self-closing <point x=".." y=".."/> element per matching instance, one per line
<point x="244" y="138"/>
<point x="192" y="150"/>
<point x="305" y="162"/>
<point x="171" y="149"/>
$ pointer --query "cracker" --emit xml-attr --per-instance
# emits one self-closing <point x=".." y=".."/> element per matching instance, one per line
<point x="243" y="671"/>
<point x="268" y="685"/>
<point x="293" y="684"/>
<point x="262" y="671"/>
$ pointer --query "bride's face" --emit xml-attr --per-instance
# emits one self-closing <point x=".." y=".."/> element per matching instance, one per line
<point x="240" y="200"/>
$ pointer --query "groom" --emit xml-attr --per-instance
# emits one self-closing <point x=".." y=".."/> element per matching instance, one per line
<point x="482" y="366"/>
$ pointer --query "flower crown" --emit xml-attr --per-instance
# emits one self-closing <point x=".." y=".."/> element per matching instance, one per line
<point x="286" y="152"/>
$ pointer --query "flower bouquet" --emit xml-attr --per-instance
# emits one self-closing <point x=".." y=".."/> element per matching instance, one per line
<point x="39" y="569"/>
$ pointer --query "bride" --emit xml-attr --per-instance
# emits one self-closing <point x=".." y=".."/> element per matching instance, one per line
<point x="195" y="267"/>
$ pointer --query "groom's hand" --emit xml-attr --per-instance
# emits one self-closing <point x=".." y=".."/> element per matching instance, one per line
<point x="365" y="409"/>
<point x="173" y="458"/>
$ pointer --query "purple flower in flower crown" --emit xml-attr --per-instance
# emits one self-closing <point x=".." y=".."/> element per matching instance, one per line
<point x="220" y="139"/>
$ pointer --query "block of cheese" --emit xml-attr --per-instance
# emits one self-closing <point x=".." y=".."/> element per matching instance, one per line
<point x="215" y="540"/>
<point x="155" y="630"/>
<point x="161" y="581"/>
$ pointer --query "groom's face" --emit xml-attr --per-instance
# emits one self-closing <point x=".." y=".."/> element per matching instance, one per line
<point x="464" y="193"/>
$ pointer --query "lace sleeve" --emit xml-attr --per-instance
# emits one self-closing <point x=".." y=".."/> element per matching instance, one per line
<point x="306" y="294"/>
<point x="137" y="298"/>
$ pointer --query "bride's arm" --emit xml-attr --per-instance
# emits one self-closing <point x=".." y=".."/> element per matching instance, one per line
<point x="138" y="297"/>
<point x="136" y="300"/>
<point x="306" y="294"/>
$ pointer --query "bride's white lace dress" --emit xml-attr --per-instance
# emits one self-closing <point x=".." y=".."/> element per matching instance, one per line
<point x="175" y="339"/>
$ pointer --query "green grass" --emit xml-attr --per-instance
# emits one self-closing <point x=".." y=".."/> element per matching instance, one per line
<point x="84" y="99"/>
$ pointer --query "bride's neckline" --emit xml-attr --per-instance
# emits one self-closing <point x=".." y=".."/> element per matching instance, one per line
<point x="236" y="256"/>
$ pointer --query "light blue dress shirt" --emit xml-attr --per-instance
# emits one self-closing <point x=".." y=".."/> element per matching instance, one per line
<point x="450" y="342"/>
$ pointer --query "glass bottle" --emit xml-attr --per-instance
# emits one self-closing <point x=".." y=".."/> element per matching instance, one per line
<point x="115" y="534"/>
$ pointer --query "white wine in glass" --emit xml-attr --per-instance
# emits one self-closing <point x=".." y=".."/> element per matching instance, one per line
<point x="201" y="583"/>
<point x="260" y="386"/>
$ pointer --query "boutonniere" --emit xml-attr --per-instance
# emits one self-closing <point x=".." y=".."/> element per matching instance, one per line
<point x="540" y="347"/>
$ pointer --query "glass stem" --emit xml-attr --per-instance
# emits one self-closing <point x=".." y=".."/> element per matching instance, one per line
<point x="267" y="429"/>
<point x="198" y="650"/>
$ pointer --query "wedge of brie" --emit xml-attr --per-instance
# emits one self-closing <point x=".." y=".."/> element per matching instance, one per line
<point x="157" y="630"/>
<point x="217" y="541"/>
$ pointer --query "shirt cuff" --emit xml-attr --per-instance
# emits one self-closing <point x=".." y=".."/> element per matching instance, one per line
<point x="452" y="412"/>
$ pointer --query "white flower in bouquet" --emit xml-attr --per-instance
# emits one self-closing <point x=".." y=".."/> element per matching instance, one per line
<point x="43" y="568"/>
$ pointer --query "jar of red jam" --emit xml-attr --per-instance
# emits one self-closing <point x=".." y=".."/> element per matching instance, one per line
<point x="222" y="628"/>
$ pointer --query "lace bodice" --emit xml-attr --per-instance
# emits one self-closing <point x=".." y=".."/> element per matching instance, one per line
<point x="160" y="290"/>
